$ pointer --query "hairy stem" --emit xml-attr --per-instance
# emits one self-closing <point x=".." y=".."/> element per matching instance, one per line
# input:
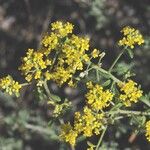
<point x="101" y="138"/>
<point x="130" y="112"/>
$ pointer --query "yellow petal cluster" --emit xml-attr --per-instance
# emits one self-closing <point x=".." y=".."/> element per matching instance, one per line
<point x="68" y="134"/>
<point x="62" y="29"/>
<point x="61" y="56"/>
<point x="97" y="97"/>
<point x="90" y="120"/>
<point x="95" y="53"/>
<point x="148" y="130"/>
<point x="86" y="123"/>
<point x="10" y="86"/>
<point x="130" y="93"/>
<point x="68" y="49"/>
<point x="131" y="37"/>
<point x="33" y="65"/>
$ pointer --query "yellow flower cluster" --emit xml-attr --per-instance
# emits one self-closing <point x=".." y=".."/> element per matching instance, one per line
<point x="70" y="51"/>
<point x="68" y="134"/>
<point x="90" y="121"/>
<point x="131" y="93"/>
<point x="97" y="98"/>
<point x="61" y="55"/>
<point x="71" y="58"/>
<point x="87" y="124"/>
<point x="10" y="86"/>
<point x="33" y="65"/>
<point x="54" y="40"/>
<point x="131" y="37"/>
<point x="148" y="130"/>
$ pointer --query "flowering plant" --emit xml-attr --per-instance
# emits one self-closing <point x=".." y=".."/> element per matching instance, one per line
<point x="66" y="58"/>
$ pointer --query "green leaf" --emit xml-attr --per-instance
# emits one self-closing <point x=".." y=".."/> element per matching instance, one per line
<point x="106" y="83"/>
<point x="146" y="99"/>
<point x="105" y="75"/>
<point x="55" y="98"/>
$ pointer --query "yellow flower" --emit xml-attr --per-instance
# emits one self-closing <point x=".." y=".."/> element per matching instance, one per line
<point x="10" y="86"/>
<point x="61" y="75"/>
<point x="91" y="146"/>
<point x="97" y="98"/>
<point x="131" y="37"/>
<point x="148" y="130"/>
<point x="131" y="93"/>
<point x="61" y="56"/>
<point x="68" y="134"/>
<point x="33" y="65"/>
<point x="50" y="42"/>
<point x="87" y="124"/>
<point x="63" y="28"/>
<point x="95" y="53"/>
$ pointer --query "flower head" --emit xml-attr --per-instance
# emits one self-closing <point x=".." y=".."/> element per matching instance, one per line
<point x="131" y="37"/>
<point x="33" y="65"/>
<point x="130" y="94"/>
<point x="10" y="86"/>
<point x="97" y="97"/>
<point x="68" y="134"/>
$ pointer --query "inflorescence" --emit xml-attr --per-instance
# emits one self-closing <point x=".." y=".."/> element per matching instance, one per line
<point x="63" y="56"/>
<point x="10" y="86"/>
<point x="130" y="93"/>
<point x="131" y="37"/>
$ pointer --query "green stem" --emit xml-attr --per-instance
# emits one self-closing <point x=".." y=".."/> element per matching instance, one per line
<point x="116" y="60"/>
<point x="108" y="73"/>
<point x="101" y="138"/>
<point x="25" y="84"/>
<point x="130" y="112"/>
<point x="47" y="89"/>
<point x="41" y="130"/>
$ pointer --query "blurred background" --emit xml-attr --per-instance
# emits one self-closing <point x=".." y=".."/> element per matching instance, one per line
<point x="23" y="121"/>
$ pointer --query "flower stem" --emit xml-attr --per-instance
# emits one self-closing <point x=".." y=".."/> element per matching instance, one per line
<point x="108" y="73"/>
<point x="101" y="138"/>
<point x="129" y="112"/>
<point x="47" y="89"/>
<point x="116" y="60"/>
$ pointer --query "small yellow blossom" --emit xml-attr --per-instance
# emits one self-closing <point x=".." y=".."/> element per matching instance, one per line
<point x="97" y="98"/>
<point x="50" y="42"/>
<point x="131" y="37"/>
<point x="91" y="146"/>
<point x="148" y="130"/>
<point x="10" y="86"/>
<point x="63" y="28"/>
<point x="95" y="53"/>
<point x="61" y="75"/>
<point x="68" y="134"/>
<point x="131" y="93"/>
